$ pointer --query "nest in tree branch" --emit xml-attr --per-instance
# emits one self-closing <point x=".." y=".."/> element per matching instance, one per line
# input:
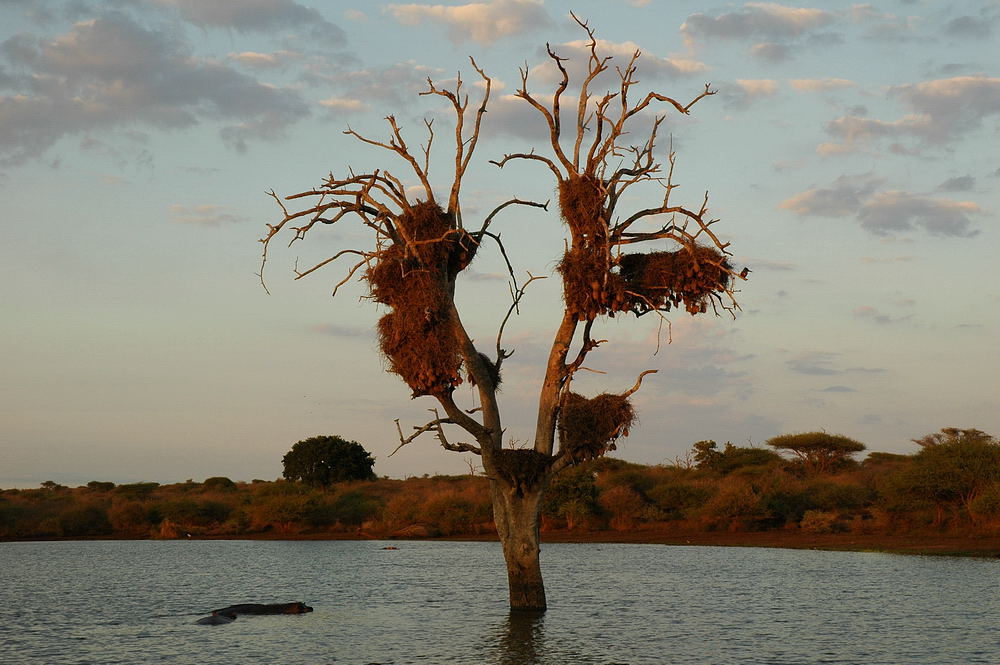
<point x="581" y="202"/>
<point x="422" y="351"/>
<point x="689" y="275"/>
<point x="415" y="278"/>
<point x="589" y="288"/>
<point x="525" y="469"/>
<point x="588" y="428"/>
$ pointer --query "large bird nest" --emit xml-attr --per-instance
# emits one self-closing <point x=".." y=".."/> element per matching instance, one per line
<point x="592" y="285"/>
<point x="522" y="468"/>
<point x="589" y="287"/>
<point x="414" y="277"/>
<point x="660" y="280"/>
<point x="588" y="428"/>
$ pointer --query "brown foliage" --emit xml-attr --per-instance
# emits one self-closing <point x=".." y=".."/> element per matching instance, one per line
<point x="588" y="428"/>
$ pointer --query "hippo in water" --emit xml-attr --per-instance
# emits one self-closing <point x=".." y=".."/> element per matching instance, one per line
<point x="216" y="620"/>
<point x="257" y="608"/>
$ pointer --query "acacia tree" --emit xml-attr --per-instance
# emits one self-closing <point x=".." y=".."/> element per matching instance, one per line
<point x="422" y="246"/>
<point x="819" y="452"/>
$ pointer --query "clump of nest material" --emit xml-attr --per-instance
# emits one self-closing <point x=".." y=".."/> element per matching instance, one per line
<point x="523" y="468"/>
<point x="589" y="286"/>
<point x="659" y="280"/>
<point x="589" y="428"/>
<point x="414" y="276"/>
<point x="594" y="283"/>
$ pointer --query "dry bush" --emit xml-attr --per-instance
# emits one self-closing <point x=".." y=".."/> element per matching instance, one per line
<point x="821" y="521"/>
<point x="625" y="506"/>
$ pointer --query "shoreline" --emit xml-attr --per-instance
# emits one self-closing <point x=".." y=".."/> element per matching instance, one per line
<point x="910" y="544"/>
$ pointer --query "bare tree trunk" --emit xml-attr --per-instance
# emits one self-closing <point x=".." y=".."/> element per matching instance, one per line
<point x="516" y="511"/>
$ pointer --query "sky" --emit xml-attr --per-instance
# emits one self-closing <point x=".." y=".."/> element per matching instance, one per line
<point x="849" y="154"/>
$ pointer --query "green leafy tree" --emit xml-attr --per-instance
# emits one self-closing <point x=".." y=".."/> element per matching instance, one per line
<point x="953" y="470"/>
<point x="732" y="457"/>
<point x="819" y="452"/>
<point x="321" y="461"/>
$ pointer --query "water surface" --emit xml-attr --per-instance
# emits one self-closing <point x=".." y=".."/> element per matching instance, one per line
<point x="442" y="602"/>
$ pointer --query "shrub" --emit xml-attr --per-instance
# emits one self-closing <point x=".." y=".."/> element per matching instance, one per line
<point x="130" y="518"/>
<point x="136" y="490"/>
<point x="219" y="484"/>
<point x="87" y="520"/>
<point x="355" y="507"/>
<point x="820" y="521"/>
<point x="677" y="499"/>
<point x="624" y="504"/>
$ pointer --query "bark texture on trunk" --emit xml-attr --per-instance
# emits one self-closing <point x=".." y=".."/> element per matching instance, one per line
<point x="516" y="513"/>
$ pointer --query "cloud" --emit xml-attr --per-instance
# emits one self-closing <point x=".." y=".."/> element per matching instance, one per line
<point x="255" y="16"/>
<point x="341" y="331"/>
<point x="970" y="27"/>
<point x="845" y="197"/>
<point x="771" y="52"/>
<point x="820" y="85"/>
<point x="965" y="183"/>
<point x="744" y="92"/>
<point x="941" y="111"/>
<point x="204" y="215"/>
<point x="814" y="363"/>
<point x="256" y="60"/>
<point x="953" y="106"/>
<point x="482" y="22"/>
<point x="885" y="259"/>
<point x="823" y="363"/>
<point x="872" y="314"/>
<point x="895" y="210"/>
<point x="649" y="64"/>
<point x="886" y="212"/>
<point x="110" y="71"/>
<point x="757" y="19"/>
<point x="837" y="389"/>
<point x="344" y="104"/>
<point x="391" y="86"/>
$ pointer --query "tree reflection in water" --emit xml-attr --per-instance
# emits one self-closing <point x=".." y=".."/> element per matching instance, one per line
<point x="522" y="636"/>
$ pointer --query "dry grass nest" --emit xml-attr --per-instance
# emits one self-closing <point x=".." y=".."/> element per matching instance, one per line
<point x="592" y="285"/>
<point x="522" y="468"/>
<point x="413" y="277"/>
<point x="588" y="428"/>
<point x="689" y="275"/>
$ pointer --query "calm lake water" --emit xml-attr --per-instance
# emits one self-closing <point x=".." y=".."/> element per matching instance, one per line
<point x="435" y="602"/>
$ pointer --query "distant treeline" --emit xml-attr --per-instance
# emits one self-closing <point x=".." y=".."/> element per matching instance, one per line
<point x="951" y="484"/>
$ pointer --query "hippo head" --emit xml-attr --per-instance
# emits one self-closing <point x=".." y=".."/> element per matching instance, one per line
<point x="298" y="608"/>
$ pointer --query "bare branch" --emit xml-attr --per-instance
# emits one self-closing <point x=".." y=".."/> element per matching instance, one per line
<point x="436" y="427"/>
<point x="530" y="155"/>
<point x="638" y="382"/>
<point x="366" y="255"/>
<point x="517" y="295"/>
<point x="546" y="113"/>
<point x="489" y="218"/>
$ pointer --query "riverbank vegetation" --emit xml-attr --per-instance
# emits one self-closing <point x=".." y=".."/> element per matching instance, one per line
<point x="950" y="486"/>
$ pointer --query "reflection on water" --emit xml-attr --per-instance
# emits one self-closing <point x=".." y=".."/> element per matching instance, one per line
<point x="136" y="602"/>
<point x="521" y="638"/>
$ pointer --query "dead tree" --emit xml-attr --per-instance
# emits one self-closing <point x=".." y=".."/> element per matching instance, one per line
<point x="422" y="246"/>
